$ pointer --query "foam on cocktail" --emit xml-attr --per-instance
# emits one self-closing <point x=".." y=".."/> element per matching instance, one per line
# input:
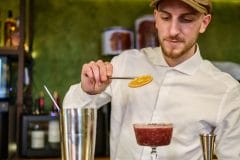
<point x="153" y="125"/>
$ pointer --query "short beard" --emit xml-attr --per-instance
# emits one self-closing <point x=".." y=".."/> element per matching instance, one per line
<point x="171" y="55"/>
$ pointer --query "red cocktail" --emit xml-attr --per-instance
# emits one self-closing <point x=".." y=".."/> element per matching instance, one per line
<point x="153" y="135"/>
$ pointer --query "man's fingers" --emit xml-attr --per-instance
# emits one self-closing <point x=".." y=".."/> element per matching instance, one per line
<point x="98" y="71"/>
<point x="103" y="70"/>
<point x="87" y="71"/>
<point x="95" y="71"/>
<point x="95" y="76"/>
<point x="109" y="69"/>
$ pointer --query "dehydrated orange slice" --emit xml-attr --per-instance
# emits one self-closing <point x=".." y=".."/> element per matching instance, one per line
<point x="140" y="81"/>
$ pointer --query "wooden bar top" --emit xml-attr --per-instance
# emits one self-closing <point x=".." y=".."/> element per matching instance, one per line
<point x="98" y="158"/>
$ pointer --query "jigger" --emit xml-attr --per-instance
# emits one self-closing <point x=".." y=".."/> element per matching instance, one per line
<point x="207" y="143"/>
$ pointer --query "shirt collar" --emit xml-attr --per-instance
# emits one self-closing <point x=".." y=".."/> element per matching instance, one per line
<point x="188" y="67"/>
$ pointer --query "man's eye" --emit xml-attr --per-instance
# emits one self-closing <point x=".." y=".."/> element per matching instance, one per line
<point x="165" y="18"/>
<point x="187" y="20"/>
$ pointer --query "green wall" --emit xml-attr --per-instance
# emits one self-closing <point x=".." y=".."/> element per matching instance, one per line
<point x="221" y="42"/>
<point x="67" y="34"/>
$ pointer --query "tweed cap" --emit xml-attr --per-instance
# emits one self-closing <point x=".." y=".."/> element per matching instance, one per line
<point x="202" y="6"/>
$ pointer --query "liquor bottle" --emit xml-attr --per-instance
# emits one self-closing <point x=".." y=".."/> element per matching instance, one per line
<point x="37" y="137"/>
<point x="36" y="108"/>
<point x="57" y="100"/>
<point x="9" y="29"/>
<point x="27" y="101"/>
<point x="15" y="36"/>
<point x="54" y="134"/>
<point x="1" y="31"/>
<point x="41" y="103"/>
<point x="53" y="125"/>
<point x="27" y="95"/>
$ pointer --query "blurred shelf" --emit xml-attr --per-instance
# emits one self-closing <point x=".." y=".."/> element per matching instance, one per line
<point x="9" y="51"/>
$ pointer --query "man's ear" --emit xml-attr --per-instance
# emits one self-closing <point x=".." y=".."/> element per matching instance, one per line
<point x="206" y="20"/>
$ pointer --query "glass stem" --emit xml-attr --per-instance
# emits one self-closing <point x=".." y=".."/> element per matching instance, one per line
<point x="154" y="153"/>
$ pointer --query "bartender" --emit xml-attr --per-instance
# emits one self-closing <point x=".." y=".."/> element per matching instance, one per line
<point x="186" y="90"/>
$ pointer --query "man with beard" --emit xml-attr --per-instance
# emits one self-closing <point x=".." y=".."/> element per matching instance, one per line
<point x="186" y="90"/>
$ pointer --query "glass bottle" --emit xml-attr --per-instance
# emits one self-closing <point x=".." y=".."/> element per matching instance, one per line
<point x="15" y="36"/>
<point x="41" y="103"/>
<point x="1" y="31"/>
<point x="9" y="29"/>
<point x="37" y="137"/>
<point x="57" y="100"/>
<point x="53" y="125"/>
<point x="36" y="108"/>
<point x="54" y="134"/>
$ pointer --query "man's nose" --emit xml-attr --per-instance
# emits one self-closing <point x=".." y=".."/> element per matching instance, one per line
<point x="174" y="29"/>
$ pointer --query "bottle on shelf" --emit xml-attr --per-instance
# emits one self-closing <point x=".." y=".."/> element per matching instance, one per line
<point x="27" y="101"/>
<point x="54" y="134"/>
<point x="36" y="109"/>
<point x="15" y="36"/>
<point x="9" y="28"/>
<point x="41" y="103"/>
<point x="54" y="110"/>
<point x="53" y="125"/>
<point x="37" y="137"/>
<point x="27" y="95"/>
<point x="1" y="30"/>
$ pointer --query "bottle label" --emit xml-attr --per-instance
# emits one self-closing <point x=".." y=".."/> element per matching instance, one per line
<point x="53" y="132"/>
<point x="37" y="139"/>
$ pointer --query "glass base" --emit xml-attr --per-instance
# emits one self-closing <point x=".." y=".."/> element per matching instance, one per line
<point x="154" y="153"/>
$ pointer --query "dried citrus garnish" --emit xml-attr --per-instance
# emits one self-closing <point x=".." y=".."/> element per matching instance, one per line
<point x="140" y="81"/>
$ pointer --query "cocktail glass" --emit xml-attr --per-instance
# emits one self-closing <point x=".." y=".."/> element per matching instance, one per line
<point x="153" y="135"/>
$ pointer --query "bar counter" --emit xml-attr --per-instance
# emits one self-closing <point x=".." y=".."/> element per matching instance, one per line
<point x="106" y="158"/>
<point x="98" y="158"/>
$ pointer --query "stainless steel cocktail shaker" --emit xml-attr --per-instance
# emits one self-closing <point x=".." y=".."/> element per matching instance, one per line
<point x="78" y="133"/>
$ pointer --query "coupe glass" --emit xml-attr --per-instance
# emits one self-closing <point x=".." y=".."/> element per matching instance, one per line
<point x="153" y="135"/>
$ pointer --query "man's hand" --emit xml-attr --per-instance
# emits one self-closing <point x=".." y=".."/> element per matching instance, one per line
<point x="95" y="76"/>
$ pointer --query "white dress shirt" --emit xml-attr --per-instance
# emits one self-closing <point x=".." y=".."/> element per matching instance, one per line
<point x="195" y="96"/>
